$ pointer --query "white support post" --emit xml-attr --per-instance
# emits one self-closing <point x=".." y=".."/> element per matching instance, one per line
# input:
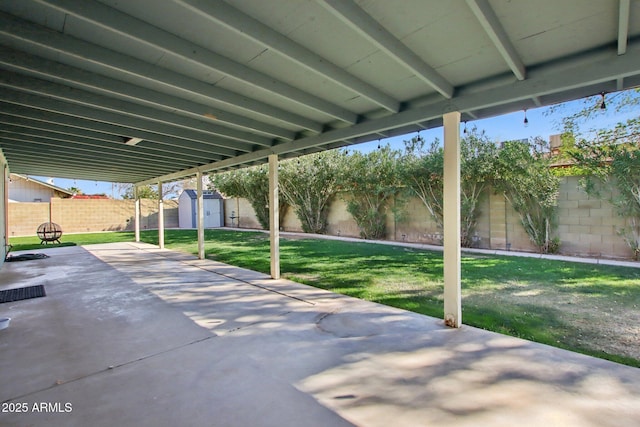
<point x="160" y="217"/>
<point x="274" y="216"/>
<point x="200" y="205"/>
<point x="136" y="220"/>
<point x="451" y="213"/>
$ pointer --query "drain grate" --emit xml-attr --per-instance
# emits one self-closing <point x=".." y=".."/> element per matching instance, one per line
<point x="18" y="294"/>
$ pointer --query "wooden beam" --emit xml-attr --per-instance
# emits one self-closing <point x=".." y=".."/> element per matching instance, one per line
<point x="160" y="217"/>
<point x="274" y="216"/>
<point x="451" y="213"/>
<point x="137" y="213"/>
<point x="200" y="215"/>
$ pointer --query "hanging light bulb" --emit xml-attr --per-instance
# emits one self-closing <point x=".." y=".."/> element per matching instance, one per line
<point x="378" y="144"/>
<point x="526" y="121"/>
<point x="603" y="106"/>
<point x="465" y="127"/>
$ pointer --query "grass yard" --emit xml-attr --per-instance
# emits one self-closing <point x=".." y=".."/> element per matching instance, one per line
<point x="33" y="242"/>
<point x="592" y="309"/>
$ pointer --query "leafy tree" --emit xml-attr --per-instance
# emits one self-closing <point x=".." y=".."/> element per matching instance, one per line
<point x="579" y="119"/>
<point x="370" y="182"/>
<point x="423" y="171"/>
<point x="144" y="192"/>
<point x="524" y="177"/>
<point x="169" y="189"/>
<point x="252" y="184"/>
<point x="608" y="158"/>
<point x="613" y="161"/>
<point x="422" y="174"/>
<point x="75" y="190"/>
<point x="477" y="170"/>
<point x="308" y="184"/>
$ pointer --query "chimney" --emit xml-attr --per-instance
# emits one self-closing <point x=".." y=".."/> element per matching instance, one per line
<point x="555" y="142"/>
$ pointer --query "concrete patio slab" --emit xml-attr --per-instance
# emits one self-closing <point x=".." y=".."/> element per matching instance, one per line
<point x="131" y="335"/>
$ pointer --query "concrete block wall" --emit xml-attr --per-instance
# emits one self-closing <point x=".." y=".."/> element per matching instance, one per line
<point x="586" y="226"/>
<point x="88" y="215"/>
<point x="24" y="218"/>
<point x="245" y="216"/>
<point x="340" y="222"/>
<point x="290" y="221"/>
<point x="415" y="224"/>
<point x="497" y="214"/>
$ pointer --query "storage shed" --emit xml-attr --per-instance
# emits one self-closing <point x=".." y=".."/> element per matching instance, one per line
<point x="188" y="210"/>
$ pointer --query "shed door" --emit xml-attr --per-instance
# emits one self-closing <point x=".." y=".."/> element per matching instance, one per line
<point x="212" y="213"/>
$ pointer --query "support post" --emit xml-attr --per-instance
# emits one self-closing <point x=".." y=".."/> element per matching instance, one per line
<point x="274" y="216"/>
<point x="6" y="176"/>
<point x="160" y="217"/>
<point x="451" y="213"/>
<point x="200" y="205"/>
<point x="136" y="219"/>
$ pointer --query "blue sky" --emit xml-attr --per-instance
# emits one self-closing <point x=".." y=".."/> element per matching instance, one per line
<point x="500" y="128"/>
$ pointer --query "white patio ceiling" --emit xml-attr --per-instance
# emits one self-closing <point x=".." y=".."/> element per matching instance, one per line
<point x="207" y="85"/>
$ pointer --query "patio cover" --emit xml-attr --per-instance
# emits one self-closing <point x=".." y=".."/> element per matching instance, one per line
<point x="146" y="90"/>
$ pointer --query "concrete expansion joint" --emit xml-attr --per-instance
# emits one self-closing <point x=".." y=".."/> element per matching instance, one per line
<point x="109" y="368"/>
<point x="277" y="292"/>
<point x="249" y="325"/>
<point x="251" y="283"/>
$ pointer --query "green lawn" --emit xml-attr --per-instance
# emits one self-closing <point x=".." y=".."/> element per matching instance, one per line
<point x="33" y="242"/>
<point x="581" y="307"/>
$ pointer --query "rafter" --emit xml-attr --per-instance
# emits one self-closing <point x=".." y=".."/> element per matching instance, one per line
<point x="492" y="26"/>
<point x="558" y="80"/>
<point x="125" y="67"/>
<point x="114" y="20"/>
<point x="222" y="13"/>
<point x="137" y="125"/>
<point x="35" y="111"/>
<point x="357" y="19"/>
<point x="79" y="138"/>
<point x="623" y="25"/>
<point x="71" y="76"/>
<point x="47" y="146"/>
<point x="196" y="128"/>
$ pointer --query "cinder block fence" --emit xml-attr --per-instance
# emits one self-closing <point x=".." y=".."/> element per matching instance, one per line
<point x="88" y="215"/>
<point x="586" y="226"/>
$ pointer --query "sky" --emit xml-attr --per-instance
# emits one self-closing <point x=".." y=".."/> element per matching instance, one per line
<point x="501" y="128"/>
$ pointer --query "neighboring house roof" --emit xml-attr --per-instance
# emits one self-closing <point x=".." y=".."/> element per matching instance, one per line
<point x="89" y="196"/>
<point x="208" y="194"/>
<point x="42" y="183"/>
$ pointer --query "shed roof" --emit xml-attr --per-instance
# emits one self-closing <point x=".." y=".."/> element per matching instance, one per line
<point x="208" y="194"/>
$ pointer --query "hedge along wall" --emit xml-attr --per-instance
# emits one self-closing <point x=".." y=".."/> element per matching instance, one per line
<point x="586" y="226"/>
<point x="89" y="215"/>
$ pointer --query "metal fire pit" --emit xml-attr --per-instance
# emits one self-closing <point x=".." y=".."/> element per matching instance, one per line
<point x="49" y="232"/>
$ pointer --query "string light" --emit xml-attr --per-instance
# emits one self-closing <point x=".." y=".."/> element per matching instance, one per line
<point x="526" y="121"/>
<point x="603" y="106"/>
<point x="378" y="144"/>
<point x="465" y="127"/>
